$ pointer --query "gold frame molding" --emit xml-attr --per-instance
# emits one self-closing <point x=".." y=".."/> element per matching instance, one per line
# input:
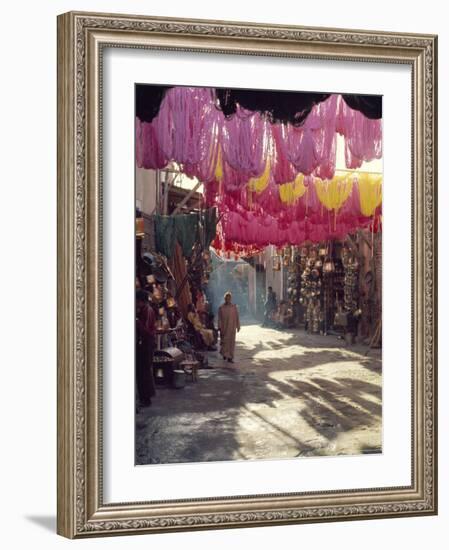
<point x="81" y="39"/>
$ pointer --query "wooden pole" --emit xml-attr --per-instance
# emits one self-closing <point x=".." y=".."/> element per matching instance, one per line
<point x="186" y="198"/>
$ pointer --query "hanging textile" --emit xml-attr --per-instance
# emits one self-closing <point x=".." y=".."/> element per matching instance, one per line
<point x="327" y="139"/>
<point x="305" y="197"/>
<point x="307" y="209"/>
<point x="178" y="268"/>
<point x="260" y="183"/>
<point x="189" y="129"/>
<point x="244" y="141"/>
<point x="370" y="190"/>
<point x="271" y="179"/>
<point x="290" y="192"/>
<point x="363" y="136"/>
<point x="165" y="235"/>
<point x="334" y="193"/>
<point x="209" y="223"/>
<point x="182" y="228"/>
<point x="283" y="170"/>
<point x="148" y="153"/>
<point x="186" y="228"/>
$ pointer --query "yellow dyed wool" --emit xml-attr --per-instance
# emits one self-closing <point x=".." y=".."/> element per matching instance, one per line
<point x="370" y="191"/>
<point x="260" y="183"/>
<point x="293" y="190"/>
<point x="335" y="192"/>
<point x="219" y="166"/>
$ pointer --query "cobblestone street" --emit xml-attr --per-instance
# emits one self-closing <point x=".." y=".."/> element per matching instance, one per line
<point x="288" y="394"/>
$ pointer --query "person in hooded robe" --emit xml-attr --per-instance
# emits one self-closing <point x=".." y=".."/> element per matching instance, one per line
<point x="228" y="326"/>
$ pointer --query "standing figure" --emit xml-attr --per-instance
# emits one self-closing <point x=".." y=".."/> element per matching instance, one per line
<point x="228" y="325"/>
<point x="145" y="344"/>
<point x="270" y="307"/>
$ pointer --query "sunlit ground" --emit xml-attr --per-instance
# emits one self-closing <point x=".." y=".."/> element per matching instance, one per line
<point x="288" y="394"/>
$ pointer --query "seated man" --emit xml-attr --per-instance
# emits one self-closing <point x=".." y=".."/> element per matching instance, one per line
<point x="207" y="335"/>
<point x="207" y="318"/>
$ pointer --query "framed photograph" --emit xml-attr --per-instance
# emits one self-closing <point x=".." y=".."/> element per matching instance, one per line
<point x="247" y="279"/>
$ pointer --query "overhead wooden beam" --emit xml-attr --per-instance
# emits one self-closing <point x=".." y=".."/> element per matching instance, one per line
<point x="167" y="184"/>
<point x="186" y="198"/>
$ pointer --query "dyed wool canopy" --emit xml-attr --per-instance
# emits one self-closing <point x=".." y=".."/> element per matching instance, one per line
<point x="191" y="130"/>
<point x="306" y="209"/>
<point x="244" y="140"/>
<point x="269" y="167"/>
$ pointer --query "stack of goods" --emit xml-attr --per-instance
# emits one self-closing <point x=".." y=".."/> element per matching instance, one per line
<point x="311" y="291"/>
<point x="348" y="316"/>
<point x="318" y="284"/>
<point x="294" y="278"/>
<point x="156" y="278"/>
<point x="351" y="281"/>
<point x="328" y="291"/>
<point x="338" y="292"/>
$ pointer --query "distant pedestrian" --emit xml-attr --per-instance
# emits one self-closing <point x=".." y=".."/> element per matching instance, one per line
<point x="270" y="307"/>
<point x="228" y="326"/>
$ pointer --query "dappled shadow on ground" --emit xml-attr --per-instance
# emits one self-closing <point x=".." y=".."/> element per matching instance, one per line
<point x="332" y="407"/>
<point x="296" y="344"/>
<point x="283" y="388"/>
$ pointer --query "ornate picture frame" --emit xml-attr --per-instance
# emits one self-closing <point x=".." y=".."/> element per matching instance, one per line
<point x="82" y="38"/>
